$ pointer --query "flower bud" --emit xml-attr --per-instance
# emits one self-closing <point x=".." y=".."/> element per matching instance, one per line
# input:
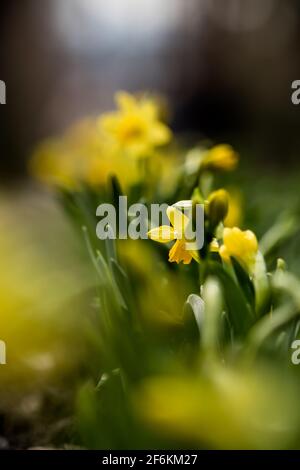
<point x="281" y="265"/>
<point x="217" y="206"/>
<point x="221" y="157"/>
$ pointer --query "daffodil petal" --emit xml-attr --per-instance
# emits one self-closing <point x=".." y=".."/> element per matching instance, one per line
<point x="195" y="255"/>
<point x="149" y="109"/>
<point x="179" y="220"/>
<point x="125" y="101"/>
<point x="163" y="234"/>
<point x="224" y="254"/>
<point x="179" y="253"/>
<point x="160" y="134"/>
<point x="251" y="240"/>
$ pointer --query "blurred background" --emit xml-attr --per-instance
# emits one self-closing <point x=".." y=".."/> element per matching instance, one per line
<point x="226" y="67"/>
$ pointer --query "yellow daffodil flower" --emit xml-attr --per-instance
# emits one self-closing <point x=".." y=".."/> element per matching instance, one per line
<point x="220" y="157"/>
<point x="240" y="244"/>
<point x="135" y="127"/>
<point x="81" y="156"/>
<point x="166" y="233"/>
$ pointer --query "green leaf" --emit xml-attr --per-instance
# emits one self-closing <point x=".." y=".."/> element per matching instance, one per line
<point x="261" y="285"/>
<point x="196" y="305"/>
<point x="213" y="302"/>
<point x="193" y="319"/>
<point x="288" y="283"/>
<point x="122" y="282"/>
<point x="240" y="314"/>
<point x="244" y="282"/>
<point x="285" y="227"/>
<point x="110" y="245"/>
<point x="268" y="325"/>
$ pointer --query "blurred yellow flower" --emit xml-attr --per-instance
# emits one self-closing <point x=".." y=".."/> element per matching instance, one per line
<point x="240" y="244"/>
<point x="135" y="127"/>
<point x="166" y="233"/>
<point x="225" y="409"/>
<point x="234" y="216"/>
<point x="43" y="283"/>
<point x="50" y="164"/>
<point x="220" y="157"/>
<point x="164" y="171"/>
<point x="80" y="156"/>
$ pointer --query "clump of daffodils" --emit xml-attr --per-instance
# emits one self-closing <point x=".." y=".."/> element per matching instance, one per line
<point x="95" y="149"/>
<point x="185" y="342"/>
<point x="81" y="156"/>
